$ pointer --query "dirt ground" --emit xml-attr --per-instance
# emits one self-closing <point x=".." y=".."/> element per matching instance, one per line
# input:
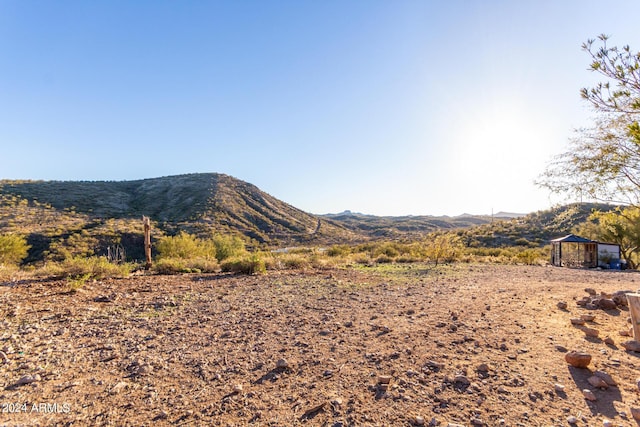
<point x="392" y="345"/>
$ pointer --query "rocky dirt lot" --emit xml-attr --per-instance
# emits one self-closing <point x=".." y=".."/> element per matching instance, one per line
<point x="407" y="345"/>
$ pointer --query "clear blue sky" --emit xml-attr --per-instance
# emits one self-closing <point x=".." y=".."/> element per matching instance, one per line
<point x="384" y="107"/>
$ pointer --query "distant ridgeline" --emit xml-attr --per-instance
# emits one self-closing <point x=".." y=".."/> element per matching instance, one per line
<point x="95" y="217"/>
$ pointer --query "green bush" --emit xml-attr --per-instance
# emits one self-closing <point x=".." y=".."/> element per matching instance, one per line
<point x="13" y="249"/>
<point x="185" y="246"/>
<point x="248" y="264"/>
<point x="532" y="256"/>
<point x="76" y="245"/>
<point x="228" y="247"/>
<point x="92" y="267"/>
<point x="338" y="250"/>
<point x="293" y="261"/>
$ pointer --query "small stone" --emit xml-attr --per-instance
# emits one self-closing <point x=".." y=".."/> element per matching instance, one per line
<point x="28" y="379"/>
<point x="162" y="416"/>
<point x="572" y="420"/>
<point x="314" y="409"/>
<point x="561" y="348"/>
<point x="119" y="387"/>
<point x="607" y="304"/>
<point x="588" y="317"/>
<point x="418" y="420"/>
<point x="590" y="332"/>
<point x="145" y="369"/>
<point x="562" y="305"/>
<point x="282" y="364"/>
<point x="597" y="382"/>
<point x="559" y="388"/>
<point x="237" y="388"/>
<point x="384" y="379"/>
<point x="578" y="359"/>
<point x="577" y="321"/>
<point x="635" y="413"/>
<point x="607" y="423"/>
<point x="609" y="341"/>
<point x="624" y="333"/>
<point x="620" y="297"/>
<point x="434" y="366"/>
<point x="483" y="368"/>
<point x="590" y="291"/>
<point x="4" y="357"/>
<point x="462" y="380"/>
<point x="631" y="345"/>
<point x="606" y="377"/>
<point x="588" y="394"/>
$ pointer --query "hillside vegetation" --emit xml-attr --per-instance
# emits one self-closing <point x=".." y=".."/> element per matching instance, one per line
<point x="57" y="214"/>
<point x="533" y="230"/>
<point x="65" y="220"/>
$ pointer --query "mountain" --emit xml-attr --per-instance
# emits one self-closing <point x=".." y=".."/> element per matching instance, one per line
<point x="407" y="227"/>
<point x="91" y="217"/>
<point x="58" y="214"/>
<point x="509" y="215"/>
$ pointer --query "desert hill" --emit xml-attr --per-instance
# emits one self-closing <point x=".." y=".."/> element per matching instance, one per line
<point x="87" y="217"/>
<point x="207" y="202"/>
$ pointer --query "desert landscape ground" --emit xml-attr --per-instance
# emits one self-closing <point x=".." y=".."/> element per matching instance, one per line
<point x="391" y="345"/>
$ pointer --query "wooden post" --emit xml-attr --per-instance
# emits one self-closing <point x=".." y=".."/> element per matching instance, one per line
<point x="634" y="311"/>
<point x="147" y="241"/>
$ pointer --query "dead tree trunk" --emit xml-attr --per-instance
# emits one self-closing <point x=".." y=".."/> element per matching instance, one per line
<point x="147" y="241"/>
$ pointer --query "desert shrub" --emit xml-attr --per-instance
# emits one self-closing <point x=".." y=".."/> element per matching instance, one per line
<point x="78" y="282"/>
<point x="247" y="264"/>
<point x="284" y="261"/>
<point x="322" y="262"/>
<point x="362" y="259"/>
<point x="383" y="259"/>
<point x="76" y="245"/>
<point x="443" y="248"/>
<point x="228" y="247"/>
<point x="13" y="249"/>
<point x="294" y="261"/>
<point x="387" y="250"/>
<point x="204" y="265"/>
<point x="181" y="265"/>
<point x="171" y="266"/>
<point x="408" y="259"/>
<point x="93" y="267"/>
<point x="531" y="256"/>
<point x="8" y="272"/>
<point x="185" y="246"/>
<point x="338" y="250"/>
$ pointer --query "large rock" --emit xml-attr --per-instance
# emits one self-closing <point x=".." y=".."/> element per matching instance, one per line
<point x="578" y="359"/>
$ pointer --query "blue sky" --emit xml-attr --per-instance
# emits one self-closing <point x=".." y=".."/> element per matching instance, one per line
<point x="381" y="107"/>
